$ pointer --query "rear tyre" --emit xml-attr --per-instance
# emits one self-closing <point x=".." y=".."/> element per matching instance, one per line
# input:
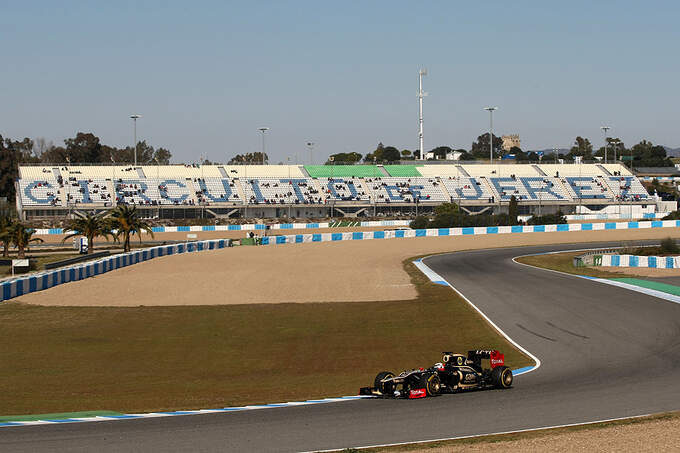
<point x="386" y="388"/>
<point x="431" y="384"/>
<point x="501" y="377"/>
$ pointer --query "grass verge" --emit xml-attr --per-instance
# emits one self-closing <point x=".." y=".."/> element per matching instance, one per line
<point x="563" y="262"/>
<point x="134" y="359"/>
<point x="514" y="441"/>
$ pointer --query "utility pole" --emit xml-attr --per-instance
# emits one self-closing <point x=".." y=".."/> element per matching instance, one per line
<point x="421" y="95"/>
<point x="605" y="129"/>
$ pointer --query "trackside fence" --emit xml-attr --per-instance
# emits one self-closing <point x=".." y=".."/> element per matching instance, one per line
<point x="37" y="282"/>
<point x="43" y="280"/>
<point x="249" y="227"/>
<point x="476" y="231"/>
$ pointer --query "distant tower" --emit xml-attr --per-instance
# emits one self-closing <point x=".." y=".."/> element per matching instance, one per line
<point x="421" y="95"/>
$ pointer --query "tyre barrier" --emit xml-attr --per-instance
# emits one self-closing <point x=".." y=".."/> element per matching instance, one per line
<point x="43" y="280"/>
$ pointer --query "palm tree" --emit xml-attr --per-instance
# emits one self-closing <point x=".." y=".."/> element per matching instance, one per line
<point x="20" y="235"/>
<point x="126" y="222"/>
<point x="5" y="236"/>
<point x="90" y="226"/>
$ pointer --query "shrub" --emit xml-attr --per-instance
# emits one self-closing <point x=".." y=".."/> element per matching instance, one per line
<point x="420" y="223"/>
<point x="669" y="245"/>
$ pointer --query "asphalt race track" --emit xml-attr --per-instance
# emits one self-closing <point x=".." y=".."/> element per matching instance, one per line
<point x="606" y="352"/>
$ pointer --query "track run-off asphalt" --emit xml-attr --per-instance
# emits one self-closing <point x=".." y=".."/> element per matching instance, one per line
<point x="605" y="353"/>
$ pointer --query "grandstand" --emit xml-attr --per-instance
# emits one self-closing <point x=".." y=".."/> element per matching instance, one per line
<point x="187" y="191"/>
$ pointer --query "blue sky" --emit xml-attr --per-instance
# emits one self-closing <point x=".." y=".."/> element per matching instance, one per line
<point x="206" y="75"/>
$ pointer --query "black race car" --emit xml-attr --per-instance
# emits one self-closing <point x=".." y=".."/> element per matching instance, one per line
<point x="455" y="373"/>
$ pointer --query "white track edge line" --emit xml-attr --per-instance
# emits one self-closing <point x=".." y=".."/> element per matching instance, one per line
<point x="505" y="335"/>
<point x="639" y="289"/>
<point x="474" y="436"/>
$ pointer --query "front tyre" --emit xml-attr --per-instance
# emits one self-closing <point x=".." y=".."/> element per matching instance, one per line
<point x="386" y="388"/>
<point x="431" y="383"/>
<point x="501" y="377"/>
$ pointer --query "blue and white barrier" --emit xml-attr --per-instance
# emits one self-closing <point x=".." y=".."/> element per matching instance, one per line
<point x="37" y="282"/>
<point x="466" y="231"/>
<point x="654" y="262"/>
<point x="246" y="227"/>
<point x="43" y="280"/>
<point x="648" y="215"/>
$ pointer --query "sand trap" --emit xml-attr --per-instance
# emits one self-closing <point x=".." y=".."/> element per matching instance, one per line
<point x="316" y="272"/>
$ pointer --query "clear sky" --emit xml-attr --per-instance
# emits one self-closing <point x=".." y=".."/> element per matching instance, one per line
<point x="205" y="75"/>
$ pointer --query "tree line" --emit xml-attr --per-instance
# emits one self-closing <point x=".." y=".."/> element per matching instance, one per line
<point x="121" y="224"/>
<point x="84" y="148"/>
<point x="643" y="154"/>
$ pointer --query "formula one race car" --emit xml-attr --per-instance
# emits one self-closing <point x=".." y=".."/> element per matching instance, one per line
<point x="455" y="373"/>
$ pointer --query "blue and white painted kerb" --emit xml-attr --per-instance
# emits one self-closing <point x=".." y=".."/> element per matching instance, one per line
<point x="638" y="289"/>
<point x="438" y="279"/>
<point x="104" y="418"/>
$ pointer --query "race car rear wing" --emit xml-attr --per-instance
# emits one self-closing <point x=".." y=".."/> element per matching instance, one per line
<point x="494" y="356"/>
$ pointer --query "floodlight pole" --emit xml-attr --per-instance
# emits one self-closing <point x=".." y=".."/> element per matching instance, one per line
<point x="490" y="109"/>
<point x="134" y="119"/>
<point x="263" y="130"/>
<point x="421" y="95"/>
<point x="310" y="145"/>
<point x="605" y="129"/>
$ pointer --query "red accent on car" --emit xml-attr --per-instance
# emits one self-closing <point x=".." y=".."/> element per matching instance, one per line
<point x="497" y="359"/>
<point x="417" y="393"/>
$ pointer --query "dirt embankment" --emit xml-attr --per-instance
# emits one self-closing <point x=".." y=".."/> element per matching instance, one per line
<point x="349" y="271"/>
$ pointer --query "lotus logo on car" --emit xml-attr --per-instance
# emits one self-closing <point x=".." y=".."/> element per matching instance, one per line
<point x="417" y="393"/>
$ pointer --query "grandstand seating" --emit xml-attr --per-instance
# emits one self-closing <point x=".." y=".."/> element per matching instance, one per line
<point x="40" y="192"/>
<point x="627" y="188"/>
<point x="88" y="191"/>
<point x="216" y="190"/>
<point x="391" y="190"/>
<point x="465" y="188"/>
<point x="587" y="188"/>
<point x="343" y="189"/>
<point x="188" y="185"/>
<point x="407" y="171"/>
<point x="282" y="191"/>
<point x="530" y="188"/>
<point x="343" y="171"/>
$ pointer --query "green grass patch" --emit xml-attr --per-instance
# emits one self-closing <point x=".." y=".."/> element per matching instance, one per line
<point x="39" y="260"/>
<point x="563" y="262"/>
<point x="658" y="286"/>
<point x="133" y="359"/>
